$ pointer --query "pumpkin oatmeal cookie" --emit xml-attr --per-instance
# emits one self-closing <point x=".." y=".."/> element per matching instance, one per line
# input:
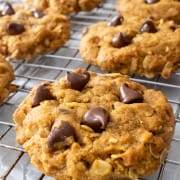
<point x="26" y="33"/>
<point x="133" y="46"/>
<point x="89" y="126"/>
<point x="6" y="77"/>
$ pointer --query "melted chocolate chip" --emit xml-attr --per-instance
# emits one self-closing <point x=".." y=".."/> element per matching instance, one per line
<point x="148" y="26"/>
<point x="121" y="40"/>
<point x="60" y="131"/>
<point x="15" y="29"/>
<point x="117" y="20"/>
<point x="129" y="96"/>
<point x="78" y="81"/>
<point x="38" y="13"/>
<point x="7" y="9"/>
<point x="151" y="1"/>
<point x="96" y="118"/>
<point x="42" y="93"/>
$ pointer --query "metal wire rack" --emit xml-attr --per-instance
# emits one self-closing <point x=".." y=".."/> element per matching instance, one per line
<point x="14" y="163"/>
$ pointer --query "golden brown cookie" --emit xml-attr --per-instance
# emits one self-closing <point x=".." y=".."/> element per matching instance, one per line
<point x="157" y="9"/>
<point x="133" y="46"/>
<point x="89" y="126"/>
<point x="6" y="77"/>
<point x="26" y="33"/>
<point x="64" y="6"/>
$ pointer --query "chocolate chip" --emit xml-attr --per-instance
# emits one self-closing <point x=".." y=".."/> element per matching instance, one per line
<point x="38" y="13"/>
<point x="86" y="163"/>
<point x="78" y="81"/>
<point x="151" y="1"/>
<point x="96" y="118"/>
<point x="85" y="31"/>
<point x="174" y="27"/>
<point x="15" y="29"/>
<point x="7" y="9"/>
<point x="121" y="40"/>
<point x="117" y="20"/>
<point x="148" y="26"/>
<point x="42" y="93"/>
<point x="60" y="131"/>
<point x="129" y="96"/>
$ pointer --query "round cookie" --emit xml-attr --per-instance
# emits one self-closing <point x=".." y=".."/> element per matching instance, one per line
<point x="26" y="33"/>
<point x="6" y="77"/>
<point x="64" y="6"/>
<point x="157" y="9"/>
<point x="133" y="46"/>
<point x="89" y="126"/>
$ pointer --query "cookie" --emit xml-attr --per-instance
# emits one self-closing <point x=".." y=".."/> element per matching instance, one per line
<point x="133" y="46"/>
<point x="157" y="9"/>
<point x="64" y="6"/>
<point x="6" y="77"/>
<point x="89" y="126"/>
<point x="26" y="33"/>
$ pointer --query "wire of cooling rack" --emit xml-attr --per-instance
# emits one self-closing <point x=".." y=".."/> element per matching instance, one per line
<point x="51" y="67"/>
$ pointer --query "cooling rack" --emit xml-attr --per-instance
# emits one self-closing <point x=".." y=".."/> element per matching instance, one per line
<point x="14" y="163"/>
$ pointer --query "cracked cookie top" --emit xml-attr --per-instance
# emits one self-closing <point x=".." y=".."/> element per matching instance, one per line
<point x="89" y="126"/>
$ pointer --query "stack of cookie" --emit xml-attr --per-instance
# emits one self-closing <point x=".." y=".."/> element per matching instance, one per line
<point x="143" y="40"/>
<point x="88" y="126"/>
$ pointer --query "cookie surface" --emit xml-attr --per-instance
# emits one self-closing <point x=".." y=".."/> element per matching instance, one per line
<point x="157" y="9"/>
<point x="6" y="76"/>
<point x="26" y="33"/>
<point x="133" y="46"/>
<point x="64" y="6"/>
<point x="89" y="126"/>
